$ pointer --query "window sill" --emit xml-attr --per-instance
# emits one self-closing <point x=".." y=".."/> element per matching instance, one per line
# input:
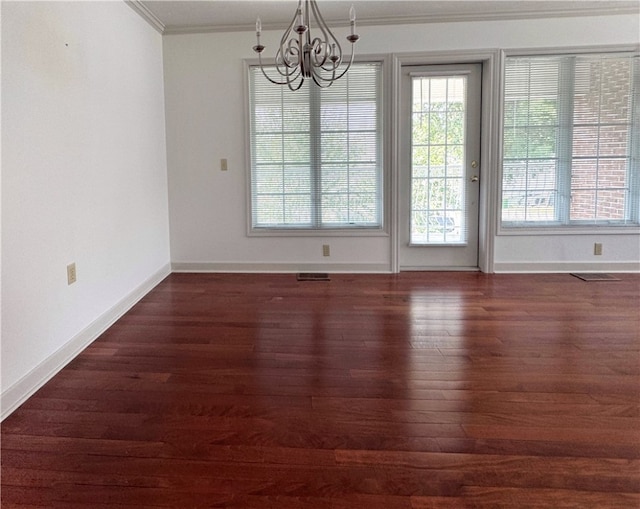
<point x="328" y="232"/>
<point x="568" y="230"/>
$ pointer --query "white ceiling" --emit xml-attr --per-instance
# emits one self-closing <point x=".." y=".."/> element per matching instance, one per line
<point x="188" y="16"/>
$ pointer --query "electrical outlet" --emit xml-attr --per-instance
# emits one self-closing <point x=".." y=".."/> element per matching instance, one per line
<point x="223" y="165"/>
<point x="71" y="273"/>
<point x="326" y="250"/>
<point x="597" y="249"/>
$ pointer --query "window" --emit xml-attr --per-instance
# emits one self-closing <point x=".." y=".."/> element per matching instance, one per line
<point x="316" y="154"/>
<point x="570" y="140"/>
<point x="438" y="123"/>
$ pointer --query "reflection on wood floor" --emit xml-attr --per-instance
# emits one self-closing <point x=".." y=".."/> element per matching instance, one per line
<point x="418" y="390"/>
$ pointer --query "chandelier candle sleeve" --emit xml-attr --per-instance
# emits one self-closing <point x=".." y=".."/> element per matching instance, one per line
<point x="301" y="56"/>
<point x="300" y="20"/>
<point x="352" y="19"/>
<point x="258" y="48"/>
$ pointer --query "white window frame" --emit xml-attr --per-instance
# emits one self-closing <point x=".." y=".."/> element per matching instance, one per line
<point x="553" y="228"/>
<point x="381" y="231"/>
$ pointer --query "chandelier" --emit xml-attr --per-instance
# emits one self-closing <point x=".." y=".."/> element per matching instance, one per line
<point x="301" y="57"/>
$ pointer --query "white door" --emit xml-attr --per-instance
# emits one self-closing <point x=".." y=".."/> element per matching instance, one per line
<point x="439" y="167"/>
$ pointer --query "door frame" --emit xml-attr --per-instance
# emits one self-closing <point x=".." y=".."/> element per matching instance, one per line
<point x="490" y="106"/>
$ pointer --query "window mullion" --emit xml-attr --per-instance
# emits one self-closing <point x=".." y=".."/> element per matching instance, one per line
<point x="283" y="192"/>
<point x="254" y="177"/>
<point x="566" y="90"/>
<point x="633" y="208"/>
<point x="315" y="154"/>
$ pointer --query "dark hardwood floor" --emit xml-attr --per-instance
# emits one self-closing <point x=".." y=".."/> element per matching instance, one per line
<point x="418" y="390"/>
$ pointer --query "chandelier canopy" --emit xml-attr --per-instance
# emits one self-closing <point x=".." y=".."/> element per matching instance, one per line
<point x="301" y="57"/>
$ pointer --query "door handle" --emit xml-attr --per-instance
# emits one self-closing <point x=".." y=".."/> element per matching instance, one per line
<point x="475" y="178"/>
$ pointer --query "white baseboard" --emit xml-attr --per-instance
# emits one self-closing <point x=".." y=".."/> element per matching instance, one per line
<point x="24" y="388"/>
<point x="409" y="268"/>
<point x="363" y="268"/>
<point x="565" y="267"/>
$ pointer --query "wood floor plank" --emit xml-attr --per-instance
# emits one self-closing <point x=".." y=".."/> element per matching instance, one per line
<point x="409" y="391"/>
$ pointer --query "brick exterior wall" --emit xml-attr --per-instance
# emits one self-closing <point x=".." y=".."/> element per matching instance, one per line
<point x="600" y="143"/>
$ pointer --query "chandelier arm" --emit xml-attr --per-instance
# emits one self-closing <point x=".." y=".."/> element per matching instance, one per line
<point x="323" y="82"/>
<point x="291" y="26"/>
<point x="289" y="72"/>
<point x="330" y="39"/>
<point x="320" y="53"/>
<point x="291" y="81"/>
<point x="283" y="58"/>
<point x="293" y="76"/>
<point x="267" y="76"/>
<point x="333" y="77"/>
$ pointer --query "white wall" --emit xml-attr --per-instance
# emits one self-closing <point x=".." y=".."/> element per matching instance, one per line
<point x="568" y="253"/>
<point x="84" y="179"/>
<point x="205" y="94"/>
<point x="204" y="91"/>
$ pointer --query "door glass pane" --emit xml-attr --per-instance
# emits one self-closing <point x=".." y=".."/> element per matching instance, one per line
<point x="437" y="160"/>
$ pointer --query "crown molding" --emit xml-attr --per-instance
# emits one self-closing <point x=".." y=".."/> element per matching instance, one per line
<point x="147" y="15"/>
<point x="406" y="20"/>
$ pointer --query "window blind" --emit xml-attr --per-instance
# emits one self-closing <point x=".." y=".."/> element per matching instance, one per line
<point x="568" y="143"/>
<point x="316" y="154"/>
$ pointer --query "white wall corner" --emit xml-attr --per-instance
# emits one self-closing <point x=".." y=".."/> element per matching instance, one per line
<point x="24" y="388"/>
